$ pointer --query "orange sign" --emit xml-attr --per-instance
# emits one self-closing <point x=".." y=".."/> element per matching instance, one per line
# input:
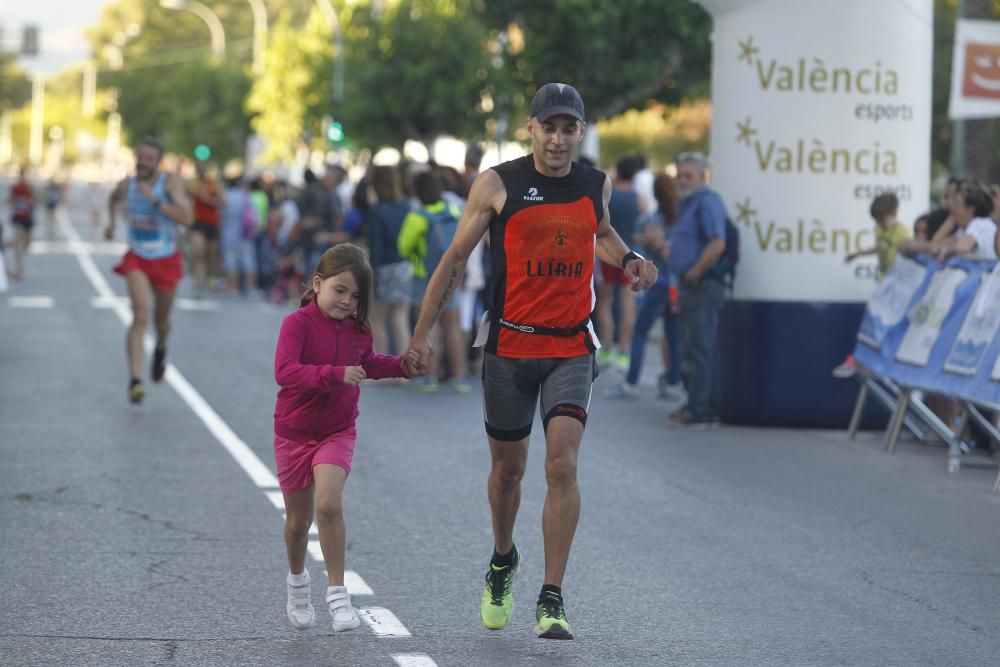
<point x="982" y="71"/>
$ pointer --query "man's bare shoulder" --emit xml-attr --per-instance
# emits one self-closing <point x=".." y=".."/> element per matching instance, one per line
<point x="488" y="191"/>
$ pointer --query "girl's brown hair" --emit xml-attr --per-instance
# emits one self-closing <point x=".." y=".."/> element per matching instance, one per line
<point x="340" y="258"/>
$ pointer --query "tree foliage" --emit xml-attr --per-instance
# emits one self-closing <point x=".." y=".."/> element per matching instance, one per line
<point x="170" y="86"/>
<point x="416" y="70"/>
<point x="291" y="97"/>
<point x="619" y="55"/>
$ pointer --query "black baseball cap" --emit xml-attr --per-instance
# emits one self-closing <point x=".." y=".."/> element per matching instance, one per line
<point x="554" y="99"/>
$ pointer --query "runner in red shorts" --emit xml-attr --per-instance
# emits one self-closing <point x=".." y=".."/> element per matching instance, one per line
<point x="155" y="203"/>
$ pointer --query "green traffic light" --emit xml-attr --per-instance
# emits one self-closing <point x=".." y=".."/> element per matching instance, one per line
<point x="335" y="132"/>
<point x="202" y="152"/>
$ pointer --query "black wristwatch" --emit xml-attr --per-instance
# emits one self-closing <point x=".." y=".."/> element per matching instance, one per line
<point x="157" y="203"/>
<point x="629" y="257"/>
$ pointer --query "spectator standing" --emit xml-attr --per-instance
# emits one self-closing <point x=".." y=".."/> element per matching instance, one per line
<point x="393" y="272"/>
<point x="698" y="244"/>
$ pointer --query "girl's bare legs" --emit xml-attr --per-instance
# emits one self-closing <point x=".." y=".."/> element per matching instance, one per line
<point x="298" y="519"/>
<point x="330" y="518"/>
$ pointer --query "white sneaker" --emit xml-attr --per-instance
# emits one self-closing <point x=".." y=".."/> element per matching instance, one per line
<point x="341" y="611"/>
<point x="299" y="609"/>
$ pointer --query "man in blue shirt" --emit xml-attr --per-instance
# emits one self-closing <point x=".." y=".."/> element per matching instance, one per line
<point x="698" y="243"/>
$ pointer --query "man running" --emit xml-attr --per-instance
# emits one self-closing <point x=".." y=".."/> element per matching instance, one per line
<point x="155" y="203"/>
<point x="543" y="213"/>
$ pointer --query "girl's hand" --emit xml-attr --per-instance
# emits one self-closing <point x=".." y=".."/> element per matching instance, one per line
<point x="354" y="374"/>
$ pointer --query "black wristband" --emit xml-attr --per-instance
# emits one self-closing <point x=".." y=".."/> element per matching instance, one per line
<point x="629" y="257"/>
<point x="157" y="203"/>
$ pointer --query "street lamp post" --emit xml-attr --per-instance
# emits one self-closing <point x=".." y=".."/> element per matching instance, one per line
<point x="215" y="28"/>
<point x="338" y="38"/>
<point x="259" y="34"/>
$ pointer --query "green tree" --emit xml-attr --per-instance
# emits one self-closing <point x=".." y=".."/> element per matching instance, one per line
<point x="169" y="85"/>
<point x="417" y="69"/>
<point x="15" y="86"/>
<point x="619" y="55"/>
<point x="294" y="92"/>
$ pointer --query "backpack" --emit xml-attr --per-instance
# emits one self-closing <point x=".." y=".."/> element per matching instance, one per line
<point x="725" y="268"/>
<point x="441" y="228"/>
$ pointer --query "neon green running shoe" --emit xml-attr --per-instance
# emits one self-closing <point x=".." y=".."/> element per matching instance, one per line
<point x="497" y="601"/>
<point x="550" y="618"/>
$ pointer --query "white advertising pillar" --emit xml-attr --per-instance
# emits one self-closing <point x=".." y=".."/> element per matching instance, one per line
<point x="817" y="107"/>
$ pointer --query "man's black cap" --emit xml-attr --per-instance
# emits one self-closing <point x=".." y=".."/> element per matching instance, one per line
<point x="554" y="99"/>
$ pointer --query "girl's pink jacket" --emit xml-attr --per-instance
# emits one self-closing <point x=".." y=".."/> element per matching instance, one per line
<point x="313" y="351"/>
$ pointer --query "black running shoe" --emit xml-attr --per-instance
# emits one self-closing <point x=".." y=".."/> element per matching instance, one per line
<point x="159" y="363"/>
<point x="550" y="618"/>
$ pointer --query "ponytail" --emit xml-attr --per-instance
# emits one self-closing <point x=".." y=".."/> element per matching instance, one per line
<point x="307" y="297"/>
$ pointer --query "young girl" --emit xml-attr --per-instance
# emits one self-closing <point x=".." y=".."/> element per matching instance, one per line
<point x="324" y="352"/>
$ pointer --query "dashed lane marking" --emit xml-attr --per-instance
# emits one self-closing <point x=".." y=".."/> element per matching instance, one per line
<point x="35" y="302"/>
<point x="383" y="622"/>
<point x="413" y="660"/>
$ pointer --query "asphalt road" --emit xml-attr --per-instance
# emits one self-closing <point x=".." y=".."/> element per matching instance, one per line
<point x="147" y="535"/>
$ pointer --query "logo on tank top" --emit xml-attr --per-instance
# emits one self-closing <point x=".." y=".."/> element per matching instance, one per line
<point x="554" y="269"/>
<point x="533" y="195"/>
<point x="560" y="244"/>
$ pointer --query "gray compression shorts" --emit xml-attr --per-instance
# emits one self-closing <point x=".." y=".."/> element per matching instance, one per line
<point x="511" y="388"/>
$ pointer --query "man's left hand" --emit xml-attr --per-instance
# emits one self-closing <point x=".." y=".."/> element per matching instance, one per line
<point x="691" y="279"/>
<point x="641" y="274"/>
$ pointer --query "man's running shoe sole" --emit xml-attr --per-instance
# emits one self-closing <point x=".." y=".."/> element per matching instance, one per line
<point x="136" y="393"/>
<point x="554" y="632"/>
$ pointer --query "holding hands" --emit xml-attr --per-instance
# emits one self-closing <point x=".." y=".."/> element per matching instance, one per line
<point x="419" y="354"/>
<point x="411" y="363"/>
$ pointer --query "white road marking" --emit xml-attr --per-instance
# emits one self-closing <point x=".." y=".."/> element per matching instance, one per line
<point x="383" y="622"/>
<point x="413" y="660"/>
<point x="109" y="302"/>
<point x="277" y="499"/>
<point x="37" y="302"/>
<point x="197" y="305"/>
<point x="66" y="247"/>
<point x="354" y="584"/>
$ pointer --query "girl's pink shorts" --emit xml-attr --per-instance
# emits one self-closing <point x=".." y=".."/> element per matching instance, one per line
<point x="295" y="460"/>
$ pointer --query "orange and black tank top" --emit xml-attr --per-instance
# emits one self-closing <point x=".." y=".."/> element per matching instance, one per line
<point x="542" y="247"/>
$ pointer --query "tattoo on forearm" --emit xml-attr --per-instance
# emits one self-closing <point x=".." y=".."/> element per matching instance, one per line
<point x="446" y="295"/>
<point x="607" y="248"/>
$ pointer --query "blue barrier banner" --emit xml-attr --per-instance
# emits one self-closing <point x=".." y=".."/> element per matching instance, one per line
<point x="978" y="330"/>
<point x="891" y="300"/>
<point x="946" y="338"/>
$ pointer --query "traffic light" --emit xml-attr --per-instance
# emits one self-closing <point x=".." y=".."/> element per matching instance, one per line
<point x="202" y="152"/>
<point x="334" y="132"/>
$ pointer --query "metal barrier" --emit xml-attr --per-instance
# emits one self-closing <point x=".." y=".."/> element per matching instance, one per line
<point x="909" y="411"/>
